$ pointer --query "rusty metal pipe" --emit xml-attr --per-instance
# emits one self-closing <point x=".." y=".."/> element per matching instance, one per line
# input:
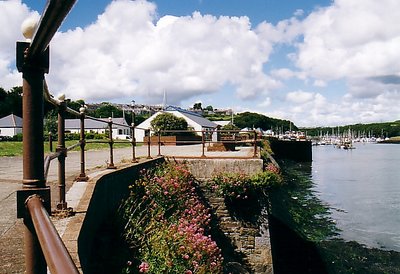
<point x="82" y="142"/>
<point x="111" y="143"/>
<point x="62" y="204"/>
<point x="134" y="160"/>
<point x="33" y="150"/>
<point x="159" y="143"/>
<point x="47" y="162"/>
<point x="53" y="15"/>
<point x="203" y="144"/>
<point x="255" y="144"/>
<point x="56" y="254"/>
<point x="148" y="144"/>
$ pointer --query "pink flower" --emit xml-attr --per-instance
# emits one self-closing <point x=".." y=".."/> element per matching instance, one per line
<point x="144" y="267"/>
<point x="186" y="256"/>
<point x="188" y="272"/>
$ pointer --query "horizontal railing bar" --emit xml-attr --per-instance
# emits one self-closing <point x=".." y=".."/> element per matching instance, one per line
<point x="47" y="161"/>
<point x="56" y="254"/>
<point x="73" y="146"/>
<point x="97" y="142"/>
<point x="53" y="16"/>
<point x="96" y="119"/>
<point x="118" y="141"/>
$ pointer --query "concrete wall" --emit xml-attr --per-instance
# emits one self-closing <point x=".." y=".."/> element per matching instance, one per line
<point x="110" y="190"/>
<point x="294" y="150"/>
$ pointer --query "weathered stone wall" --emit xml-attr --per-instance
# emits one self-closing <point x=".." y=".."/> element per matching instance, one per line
<point x="206" y="168"/>
<point x="250" y="241"/>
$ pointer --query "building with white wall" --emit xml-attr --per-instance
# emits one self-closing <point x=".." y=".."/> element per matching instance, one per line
<point x="10" y="125"/>
<point x="194" y="120"/>
<point x="120" y="128"/>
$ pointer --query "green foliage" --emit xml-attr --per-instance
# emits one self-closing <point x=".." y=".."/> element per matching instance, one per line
<point x="230" y="127"/>
<point x="197" y="106"/>
<point x="209" y="108"/>
<point x="11" y="101"/>
<point x="167" y="225"/>
<point x="250" y="120"/>
<point x="239" y="186"/>
<point x="75" y="105"/>
<point x="18" y="137"/>
<point x="389" y="129"/>
<point x="50" y="123"/>
<point x="107" y="110"/>
<point x="168" y="121"/>
<point x="298" y="206"/>
<point x="218" y="117"/>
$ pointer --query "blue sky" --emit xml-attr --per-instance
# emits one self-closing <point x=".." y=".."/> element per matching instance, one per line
<point x="312" y="62"/>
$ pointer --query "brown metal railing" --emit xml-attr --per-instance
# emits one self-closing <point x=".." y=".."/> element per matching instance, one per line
<point x="225" y="137"/>
<point x="42" y="243"/>
<point x="55" y="253"/>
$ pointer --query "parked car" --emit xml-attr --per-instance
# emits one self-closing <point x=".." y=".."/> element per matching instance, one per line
<point x="123" y="137"/>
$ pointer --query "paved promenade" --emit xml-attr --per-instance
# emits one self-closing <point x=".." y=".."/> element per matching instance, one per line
<point x="11" y="228"/>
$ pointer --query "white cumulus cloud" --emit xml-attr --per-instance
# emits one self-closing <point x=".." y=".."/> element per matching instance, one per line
<point x="128" y="51"/>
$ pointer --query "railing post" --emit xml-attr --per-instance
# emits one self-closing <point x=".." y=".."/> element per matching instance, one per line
<point x="62" y="204"/>
<point x="134" y="160"/>
<point x="159" y="143"/>
<point x="255" y="144"/>
<point x="203" y="143"/>
<point x="50" y="141"/>
<point x="110" y="142"/>
<point x="82" y="140"/>
<point x="148" y="144"/>
<point x="33" y="155"/>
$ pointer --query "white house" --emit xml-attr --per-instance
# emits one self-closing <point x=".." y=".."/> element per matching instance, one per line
<point x="74" y="126"/>
<point x="10" y="125"/>
<point x="194" y="120"/>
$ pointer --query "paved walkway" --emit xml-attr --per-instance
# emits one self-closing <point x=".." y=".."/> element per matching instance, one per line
<point x="11" y="229"/>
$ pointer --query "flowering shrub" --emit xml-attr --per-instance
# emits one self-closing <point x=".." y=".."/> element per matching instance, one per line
<point x="167" y="225"/>
<point x="239" y="186"/>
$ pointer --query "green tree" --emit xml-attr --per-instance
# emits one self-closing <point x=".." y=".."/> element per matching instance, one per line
<point x="11" y="102"/>
<point x="3" y="107"/>
<point x="168" y="121"/>
<point x="209" y="108"/>
<point x="256" y="120"/>
<point x="50" y="123"/>
<point x="107" y="110"/>
<point x="197" y="106"/>
<point x="230" y="127"/>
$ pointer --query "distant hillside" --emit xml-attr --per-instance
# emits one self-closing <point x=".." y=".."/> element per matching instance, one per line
<point x="255" y="120"/>
<point x="387" y="129"/>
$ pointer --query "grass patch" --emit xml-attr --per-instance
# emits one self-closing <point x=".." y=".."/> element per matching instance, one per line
<point x="8" y="149"/>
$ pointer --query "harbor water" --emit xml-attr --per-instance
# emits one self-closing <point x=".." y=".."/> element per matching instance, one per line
<point x="362" y="187"/>
<point x="338" y="213"/>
